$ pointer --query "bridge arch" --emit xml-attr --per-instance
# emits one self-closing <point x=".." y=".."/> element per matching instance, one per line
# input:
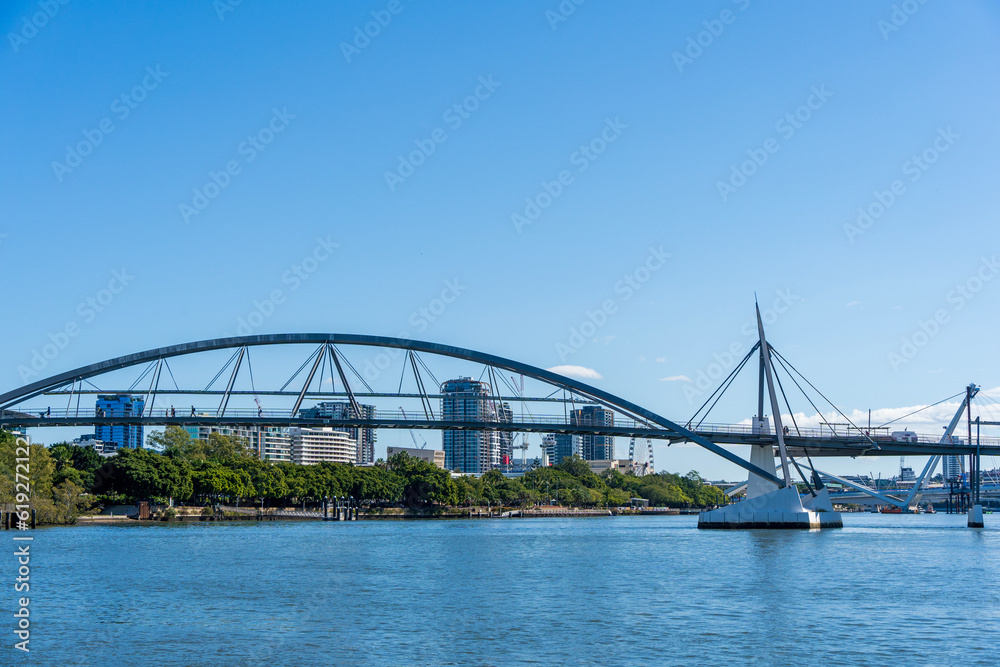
<point x="31" y="390"/>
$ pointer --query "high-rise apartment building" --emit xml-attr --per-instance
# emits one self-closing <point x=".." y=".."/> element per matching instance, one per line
<point x="275" y="444"/>
<point x="469" y="400"/>
<point x="365" y="437"/>
<point x="565" y="445"/>
<point x="595" y="447"/>
<point x="316" y="445"/>
<point x="548" y="448"/>
<point x="119" y="435"/>
<point x="951" y="467"/>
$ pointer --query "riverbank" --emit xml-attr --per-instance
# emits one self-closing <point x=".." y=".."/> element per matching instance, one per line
<point x="192" y="515"/>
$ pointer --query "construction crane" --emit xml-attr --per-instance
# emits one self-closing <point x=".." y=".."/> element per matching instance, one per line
<point x="414" y="437"/>
<point x="524" y="436"/>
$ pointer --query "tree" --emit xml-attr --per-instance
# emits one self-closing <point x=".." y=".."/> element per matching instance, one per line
<point x="142" y="474"/>
<point x="68" y="502"/>
<point x="617" y="498"/>
<point x="575" y="466"/>
<point x="174" y="441"/>
<point x="423" y="483"/>
<point x="376" y="484"/>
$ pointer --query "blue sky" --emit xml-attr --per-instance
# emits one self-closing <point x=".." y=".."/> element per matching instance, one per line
<point x="871" y="91"/>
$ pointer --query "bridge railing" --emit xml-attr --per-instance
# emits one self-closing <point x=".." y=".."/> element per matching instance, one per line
<point x="286" y="415"/>
<point x="832" y="431"/>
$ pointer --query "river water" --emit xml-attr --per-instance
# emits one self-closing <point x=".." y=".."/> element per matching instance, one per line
<point x="884" y="590"/>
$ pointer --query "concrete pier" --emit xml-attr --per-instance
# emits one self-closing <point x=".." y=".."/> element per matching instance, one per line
<point x="779" y="509"/>
<point x="976" y="516"/>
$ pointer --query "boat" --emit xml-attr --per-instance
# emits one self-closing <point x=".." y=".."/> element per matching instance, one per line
<point x="891" y="510"/>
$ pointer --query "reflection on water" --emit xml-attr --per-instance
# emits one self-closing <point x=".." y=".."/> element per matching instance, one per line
<point x="886" y="589"/>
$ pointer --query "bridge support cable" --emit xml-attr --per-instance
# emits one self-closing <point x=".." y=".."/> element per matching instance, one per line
<point x="253" y="386"/>
<point x="343" y="379"/>
<point x="494" y="394"/>
<point x="787" y="405"/>
<point x="222" y="370"/>
<point x="171" y="374"/>
<point x="425" y="402"/>
<point x="839" y="412"/>
<point x="299" y="370"/>
<point x="809" y="399"/>
<point x="721" y="389"/>
<point x="149" y="367"/>
<point x="322" y="372"/>
<point x="353" y="369"/>
<point x="69" y="402"/>
<point x="232" y="381"/>
<point x="910" y="414"/>
<point x="427" y="369"/>
<point x="154" y="384"/>
<point x="319" y="354"/>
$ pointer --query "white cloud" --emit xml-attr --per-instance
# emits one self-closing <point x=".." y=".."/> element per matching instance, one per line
<point x="676" y="378"/>
<point x="660" y="360"/>
<point x="930" y="421"/>
<point x="642" y="358"/>
<point x="581" y="372"/>
<point x="853" y="303"/>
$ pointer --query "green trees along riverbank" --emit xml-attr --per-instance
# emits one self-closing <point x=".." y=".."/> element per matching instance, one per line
<point x="68" y="479"/>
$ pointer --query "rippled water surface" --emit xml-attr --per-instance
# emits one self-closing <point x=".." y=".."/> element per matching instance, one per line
<point x="884" y="590"/>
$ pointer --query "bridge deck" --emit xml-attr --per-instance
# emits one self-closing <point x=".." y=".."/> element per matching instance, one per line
<point x="814" y="442"/>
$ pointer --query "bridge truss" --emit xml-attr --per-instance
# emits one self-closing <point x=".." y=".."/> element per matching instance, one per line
<point x="224" y="388"/>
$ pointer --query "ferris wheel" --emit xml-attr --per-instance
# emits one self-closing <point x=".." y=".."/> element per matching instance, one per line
<point x="640" y="457"/>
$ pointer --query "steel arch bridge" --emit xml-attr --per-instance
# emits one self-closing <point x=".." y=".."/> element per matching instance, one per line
<point x="631" y="420"/>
